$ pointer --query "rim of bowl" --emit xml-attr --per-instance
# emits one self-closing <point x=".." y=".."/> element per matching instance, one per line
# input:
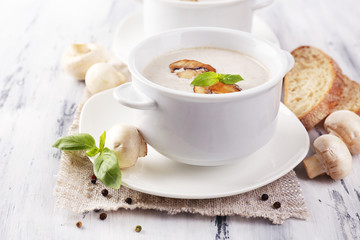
<point x="274" y="79"/>
<point x="180" y="3"/>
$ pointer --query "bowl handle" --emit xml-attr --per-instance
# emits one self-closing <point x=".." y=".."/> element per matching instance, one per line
<point x="290" y="61"/>
<point x="262" y="4"/>
<point x="129" y="97"/>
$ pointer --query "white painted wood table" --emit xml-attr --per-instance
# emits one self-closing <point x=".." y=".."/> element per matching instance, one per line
<point x="38" y="100"/>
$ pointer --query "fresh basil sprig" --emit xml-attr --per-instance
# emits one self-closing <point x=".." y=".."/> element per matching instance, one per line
<point x="106" y="167"/>
<point x="207" y="79"/>
<point x="107" y="170"/>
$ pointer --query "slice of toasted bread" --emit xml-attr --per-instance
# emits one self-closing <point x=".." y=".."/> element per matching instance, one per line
<point x="350" y="98"/>
<point x="313" y="87"/>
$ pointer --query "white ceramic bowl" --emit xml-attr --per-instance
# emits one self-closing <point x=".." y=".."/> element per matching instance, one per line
<point x="162" y="15"/>
<point x="202" y="129"/>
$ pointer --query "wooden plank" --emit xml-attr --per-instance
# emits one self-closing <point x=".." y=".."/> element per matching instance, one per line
<point x="37" y="103"/>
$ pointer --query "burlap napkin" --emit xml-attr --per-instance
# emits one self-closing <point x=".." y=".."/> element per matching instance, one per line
<point x="74" y="191"/>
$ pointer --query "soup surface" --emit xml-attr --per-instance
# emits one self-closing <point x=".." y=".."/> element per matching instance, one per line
<point x="224" y="61"/>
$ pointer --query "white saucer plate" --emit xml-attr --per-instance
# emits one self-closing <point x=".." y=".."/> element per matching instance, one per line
<point x="130" y="32"/>
<point x="155" y="174"/>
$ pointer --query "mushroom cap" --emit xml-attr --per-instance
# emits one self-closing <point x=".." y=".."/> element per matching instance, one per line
<point x="127" y="144"/>
<point x="102" y="76"/>
<point x="81" y="57"/>
<point x="345" y="125"/>
<point x="334" y="155"/>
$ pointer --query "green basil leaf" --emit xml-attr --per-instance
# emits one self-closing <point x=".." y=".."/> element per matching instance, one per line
<point x="93" y="151"/>
<point x="82" y="141"/>
<point x="221" y="76"/>
<point x="102" y="141"/>
<point x="229" y="78"/>
<point x="107" y="170"/>
<point x="205" y="79"/>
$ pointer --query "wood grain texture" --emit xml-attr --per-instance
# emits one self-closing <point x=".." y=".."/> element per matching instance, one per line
<point x="37" y="103"/>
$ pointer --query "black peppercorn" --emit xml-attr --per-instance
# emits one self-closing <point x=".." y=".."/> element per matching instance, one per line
<point x="277" y="205"/>
<point x="79" y="224"/>
<point x="264" y="197"/>
<point x="93" y="179"/>
<point x="103" y="216"/>
<point x="138" y="228"/>
<point x="104" y="192"/>
<point x="128" y="200"/>
<point x="96" y="210"/>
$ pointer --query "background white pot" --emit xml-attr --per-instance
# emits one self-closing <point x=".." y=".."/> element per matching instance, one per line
<point x="204" y="129"/>
<point x="161" y="15"/>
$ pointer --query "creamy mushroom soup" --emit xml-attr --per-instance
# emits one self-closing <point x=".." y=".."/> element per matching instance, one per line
<point x="168" y="70"/>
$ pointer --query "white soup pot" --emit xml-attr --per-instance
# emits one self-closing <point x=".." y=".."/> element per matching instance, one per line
<point x="162" y="15"/>
<point x="205" y="129"/>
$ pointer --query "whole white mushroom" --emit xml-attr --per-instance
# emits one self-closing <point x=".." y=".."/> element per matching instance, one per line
<point x="332" y="158"/>
<point x="127" y="143"/>
<point x="81" y="57"/>
<point x="102" y="76"/>
<point x="345" y="125"/>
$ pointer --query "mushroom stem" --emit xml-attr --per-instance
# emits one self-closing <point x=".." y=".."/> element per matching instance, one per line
<point x="80" y="48"/>
<point x="313" y="166"/>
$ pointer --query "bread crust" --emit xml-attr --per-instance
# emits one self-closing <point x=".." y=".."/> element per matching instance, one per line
<point x="345" y="98"/>
<point x="323" y="108"/>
